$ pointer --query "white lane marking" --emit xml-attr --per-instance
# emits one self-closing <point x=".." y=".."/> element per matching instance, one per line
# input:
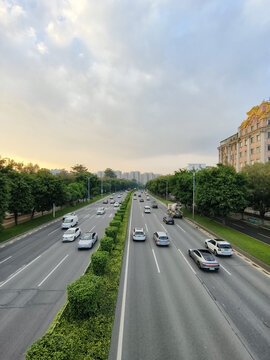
<point x="19" y="271"/>
<point x="186" y="261"/>
<point x="180" y="228"/>
<point x="225" y="269"/>
<point x="110" y="215"/>
<point x="164" y="227"/>
<point x="53" y="232"/>
<point x="146" y="227"/>
<point x="53" y="270"/>
<point x="158" y="270"/>
<point x="123" y="307"/>
<point x="238" y="225"/>
<point x="92" y="228"/>
<point x="1" y="262"/>
<point x="86" y="216"/>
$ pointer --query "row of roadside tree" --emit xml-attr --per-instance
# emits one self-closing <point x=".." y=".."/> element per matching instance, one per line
<point x="218" y="190"/>
<point x="28" y="189"/>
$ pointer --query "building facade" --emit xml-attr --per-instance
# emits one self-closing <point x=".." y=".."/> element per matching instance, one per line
<point x="252" y="141"/>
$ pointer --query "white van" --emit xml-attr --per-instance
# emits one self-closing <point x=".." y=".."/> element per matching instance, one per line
<point x="69" y="221"/>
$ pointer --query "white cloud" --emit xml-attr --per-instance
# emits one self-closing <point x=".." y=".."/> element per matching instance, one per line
<point x="42" y="48"/>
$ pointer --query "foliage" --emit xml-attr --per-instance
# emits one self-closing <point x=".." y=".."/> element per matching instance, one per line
<point x="115" y="223"/>
<point x="111" y="231"/>
<point x="4" y="196"/>
<point x="221" y="190"/>
<point x="109" y="173"/>
<point x="99" y="262"/>
<point x="183" y="187"/>
<point x="78" y="168"/>
<point x="258" y="176"/>
<point x="83" y="295"/>
<point x="106" y="244"/>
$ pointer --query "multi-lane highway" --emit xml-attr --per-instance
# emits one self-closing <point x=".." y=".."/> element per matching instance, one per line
<point x="34" y="273"/>
<point x="168" y="308"/>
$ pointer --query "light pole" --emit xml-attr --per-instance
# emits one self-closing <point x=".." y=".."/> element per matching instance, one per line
<point x="193" y="195"/>
<point x="101" y="186"/>
<point x="166" y="188"/>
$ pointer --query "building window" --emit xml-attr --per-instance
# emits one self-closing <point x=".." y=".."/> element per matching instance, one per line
<point x="268" y="135"/>
<point x="258" y="137"/>
<point x="268" y="147"/>
<point x="240" y="143"/>
<point x="258" y="149"/>
<point x="268" y="121"/>
<point x="246" y="131"/>
<point x="240" y="154"/>
<point x="252" y="140"/>
<point x="245" y="152"/>
<point x="258" y="124"/>
<point x="245" y="141"/>
<point x="252" y="151"/>
<point x="252" y="128"/>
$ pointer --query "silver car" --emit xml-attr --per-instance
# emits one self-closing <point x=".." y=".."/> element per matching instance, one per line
<point x="161" y="238"/>
<point x="204" y="259"/>
<point x="87" y="240"/>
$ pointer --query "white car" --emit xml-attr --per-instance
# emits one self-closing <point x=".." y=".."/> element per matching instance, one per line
<point x="147" y="198"/>
<point x="100" y="211"/>
<point x="71" y="234"/>
<point x="87" y="240"/>
<point x="138" y="234"/>
<point x="147" y="210"/>
<point x="219" y="247"/>
<point x="119" y="196"/>
<point x="69" y="221"/>
<point x="116" y="204"/>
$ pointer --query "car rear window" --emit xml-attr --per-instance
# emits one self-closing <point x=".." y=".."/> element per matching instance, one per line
<point x="225" y="246"/>
<point x="163" y="237"/>
<point x="70" y="231"/>
<point x="139" y="233"/>
<point x="208" y="256"/>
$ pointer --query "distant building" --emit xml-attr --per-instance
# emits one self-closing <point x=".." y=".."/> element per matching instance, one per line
<point x="118" y="174"/>
<point x="132" y="175"/>
<point x="58" y="171"/>
<point x="252" y="141"/>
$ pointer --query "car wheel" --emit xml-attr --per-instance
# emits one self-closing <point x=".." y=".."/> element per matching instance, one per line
<point x="215" y="252"/>
<point x="206" y="245"/>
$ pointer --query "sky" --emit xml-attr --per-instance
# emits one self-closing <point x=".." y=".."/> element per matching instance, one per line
<point x="147" y="85"/>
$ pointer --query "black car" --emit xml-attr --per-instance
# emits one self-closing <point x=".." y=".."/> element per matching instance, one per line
<point x="105" y="201"/>
<point x="141" y="200"/>
<point x="168" y="220"/>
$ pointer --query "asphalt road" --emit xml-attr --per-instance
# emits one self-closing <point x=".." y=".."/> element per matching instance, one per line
<point x="168" y="308"/>
<point x="34" y="273"/>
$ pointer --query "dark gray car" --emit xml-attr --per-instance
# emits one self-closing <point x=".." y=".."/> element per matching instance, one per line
<point x="204" y="259"/>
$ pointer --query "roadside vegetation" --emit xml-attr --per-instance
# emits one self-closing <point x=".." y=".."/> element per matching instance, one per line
<point x="27" y="189"/>
<point x="83" y="332"/>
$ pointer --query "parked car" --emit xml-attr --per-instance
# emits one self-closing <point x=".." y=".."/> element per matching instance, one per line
<point x="69" y="221"/>
<point x="219" y="247"/>
<point x="168" y="220"/>
<point x="147" y="210"/>
<point x="161" y="238"/>
<point x="204" y="259"/>
<point x="71" y="234"/>
<point x="87" y="240"/>
<point x="138" y="234"/>
<point x="100" y="211"/>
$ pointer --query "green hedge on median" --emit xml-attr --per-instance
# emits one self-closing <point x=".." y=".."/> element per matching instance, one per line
<point x="106" y="244"/>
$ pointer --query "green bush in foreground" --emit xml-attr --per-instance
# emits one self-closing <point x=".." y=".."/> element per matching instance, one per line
<point x="106" y="244"/>
<point x="83" y="295"/>
<point x="99" y="262"/>
<point x="111" y="231"/>
<point x="115" y="223"/>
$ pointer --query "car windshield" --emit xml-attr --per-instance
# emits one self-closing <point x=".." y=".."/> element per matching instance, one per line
<point x="163" y="237"/>
<point x="139" y="233"/>
<point x="86" y="237"/>
<point x="70" y="231"/>
<point x="225" y="246"/>
<point x="208" y="256"/>
<point x="67" y="220"/>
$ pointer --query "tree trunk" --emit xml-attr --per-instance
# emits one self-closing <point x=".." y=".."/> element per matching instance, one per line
<point x="16" y="217"/>
<point x="32" y="214"/>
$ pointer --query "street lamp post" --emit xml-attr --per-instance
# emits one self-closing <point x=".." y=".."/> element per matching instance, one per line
<point x="193" y="195"/>
<point x="166" y="188"/>
<point x="101" y="186"/>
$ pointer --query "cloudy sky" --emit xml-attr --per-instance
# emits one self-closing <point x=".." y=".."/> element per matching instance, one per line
<point x="148" y="85"/>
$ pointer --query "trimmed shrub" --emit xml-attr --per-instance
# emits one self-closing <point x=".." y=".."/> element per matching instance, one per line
<point x="83" y="296"/>
<point x="106" y="244"/>
<point x="99" y="262"/>
<point x="111" y="231"/>
<point x="117" y="218"/>
<point x="115" y="223"/>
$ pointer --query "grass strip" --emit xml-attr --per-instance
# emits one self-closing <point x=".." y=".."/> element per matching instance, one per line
<point x="15" y="230"/>
<point x="252" y="246"/>
<point x="88" y="338"/>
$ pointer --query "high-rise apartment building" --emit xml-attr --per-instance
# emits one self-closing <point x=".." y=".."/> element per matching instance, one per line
<point x="132" y="175"/>
<point x="252" y="141"/>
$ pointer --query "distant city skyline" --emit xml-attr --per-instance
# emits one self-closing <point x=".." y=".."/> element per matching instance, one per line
<point x="137" y="175"/>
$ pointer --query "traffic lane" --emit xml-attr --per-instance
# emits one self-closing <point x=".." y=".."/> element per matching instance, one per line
<point x="257" y="233"/>
<point x="167" y="308"/>
<point x="36" y="306"/>
<point x="241" y="285"/>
